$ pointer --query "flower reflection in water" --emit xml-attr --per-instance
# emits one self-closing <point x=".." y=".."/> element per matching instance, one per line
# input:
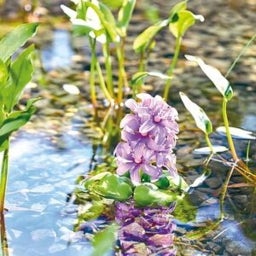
<point x="145" y="230"/>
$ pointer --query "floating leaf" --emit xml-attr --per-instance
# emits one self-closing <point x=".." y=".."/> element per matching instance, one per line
<point x="221" y="83"/>
<point x="11" y="42"/>
<point x="208" y="150"/>
<point x="237" y="133"/>
<point x="104" y="240"/>
<point x="149" y="195"/>
<point x="200" y="117"/>
<point x="110" y="186"/>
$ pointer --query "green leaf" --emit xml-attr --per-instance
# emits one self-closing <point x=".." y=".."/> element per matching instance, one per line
<point x="124" y="15"/>
<point x="143" y="40"/>
<point x="220" y="82"/>
<point x="200" y="117"/>
<point x="3" y="74"/>
<point x="185" y="19"/>
<point x="110" y="186"/>
<point x="139" y="77"/>
<point x="11" y="42"/>
<point x="104" y="240"/>
<point x="150" y="195"/>
<point x="113" y="3"/>
<point x="20" y="74"/>
<point x="177" y="8"/>
<point x="16" y="120"/>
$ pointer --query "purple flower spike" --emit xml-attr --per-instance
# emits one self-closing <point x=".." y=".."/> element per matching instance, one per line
<point x="149" y="136"/>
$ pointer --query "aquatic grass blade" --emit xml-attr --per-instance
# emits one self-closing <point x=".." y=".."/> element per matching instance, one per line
<point x="202" y="120"/>
<point x="11" y="42"/>
<point x="221" y="83"/>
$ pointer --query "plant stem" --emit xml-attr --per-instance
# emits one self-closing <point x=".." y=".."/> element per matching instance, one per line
<point x="4" y="177"/>
<point x="224" y="191"/>
<point x="102" y="83"/>
<point x="122" y="77"/>
<point x="172" y="66"/>
<point x="3" y="238"/>
<point x="109" y="71"/>
<point x="92" y="71"/>
<point x="229" y="137"/>
<point x="209" y="143"/>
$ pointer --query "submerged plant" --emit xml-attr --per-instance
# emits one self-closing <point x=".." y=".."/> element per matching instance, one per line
<point x="15" y="73"/>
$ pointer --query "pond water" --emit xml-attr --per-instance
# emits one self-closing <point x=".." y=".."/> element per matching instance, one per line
<point x="44" y="168"/>
<point x="38" y="222"/>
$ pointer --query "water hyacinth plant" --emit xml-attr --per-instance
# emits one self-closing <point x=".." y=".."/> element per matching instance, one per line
<point x="15" y="73"/>
<point x="140" y="184"/>
<point x="96" y="20"/>
<point x="149" y="136"/>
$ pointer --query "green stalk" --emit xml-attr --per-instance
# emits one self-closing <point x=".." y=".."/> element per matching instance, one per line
<point x="4" y="244"/>
<point x="122" y="77"/>
<point x="229" y="137"/>
<point x="172" y="66"/>
<point x="4" y="177"/>
<point x="108" y="66"/>
<point x="209" y="142"/>
<point x="92" y="71"/>
<point x="224" y="192"/>
<point x="102" y="83"/>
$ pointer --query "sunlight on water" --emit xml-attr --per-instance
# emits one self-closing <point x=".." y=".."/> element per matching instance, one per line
<point x="41" y="175"/>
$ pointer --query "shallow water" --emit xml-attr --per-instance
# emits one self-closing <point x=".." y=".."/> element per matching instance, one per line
<point x="42" y="175"/>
